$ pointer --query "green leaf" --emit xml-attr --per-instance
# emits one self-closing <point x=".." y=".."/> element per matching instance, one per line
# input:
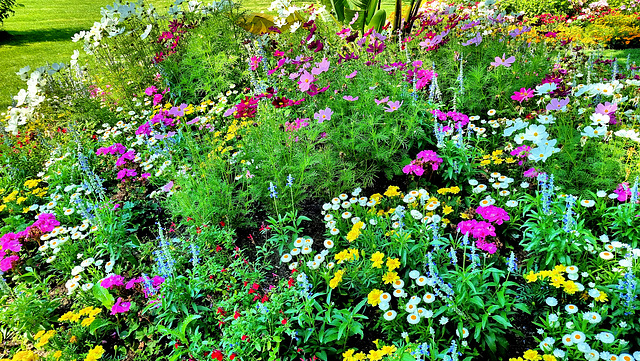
<point x="103" y="295"/>
<point x="502" y="321"/>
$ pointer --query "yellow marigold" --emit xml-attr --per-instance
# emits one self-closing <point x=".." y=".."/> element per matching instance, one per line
<point x="549" y="358"/>
<point x="20" y="200"/>
<point x="393" y="263"/>
<point x="531" y="277"/>
<point x="342" y="255"/>
<point x="516" y="359"/>
<point x="377" y="259"/>
<point x="95" y="312"/>
<point x="392" y="191"/>
<point x="95" y="354"/>
<point x="337" y="278"/>
<point x="496" y="152"/>
<point x="66" y="317"/>
<point x="446" y="210"/>
<point x="85" y="311"/>
<point x="375" y="355"/>
<point x="354" y="254"/>
<point x="454" y="189"/>
<point x="39" y="334"/>
<point x="57" y="354"/>
<point x="388" y="350"/>
<point x="44" y="339"/>
<point x="390" y="277"/>
<point x="87" y="321"/>
<point x="443" y="190"/>
<point x="25" y="356"/>
<point x="531" y="355"/>
<point x="2" y="207"/>
<point x="360" y="356"/>
<point x="374" y="297"/>
<point x="25" y="209"/>
<point x="485" y="162"/>
<point x="381" y="212"/>
<point x="570" y="287"/>
<point x="376" y="197"/>
<point x="355" y="231"/>
<point x="348" y="356"/>
<point x="11" y="197"/>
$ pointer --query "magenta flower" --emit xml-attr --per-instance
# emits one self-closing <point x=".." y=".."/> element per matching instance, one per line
<point x="489" y="247"/>
<point x="126" y="173"/>
<point x="493" y="214"/>
<point x="478" y="230"/>
<point x="323" y="115"/>
<point x="254" y="61"/>
<point x="305" y="80"/>
<point x="151" y="90"/>
<point x="412" y="168"/>
<point x="606" y="108"/>
<point x="556" y="104"/>
<point x="157" y="99"/>
<point x="167" y="187"/>
<point x="383" y="100"/>
<point x="350" y="98"/>
<point x="9" y="242"/>
<point x="429" y="156"/>
<point x="623" y="192"/>
<point x="132" y="282"/>
<point x="393" y="106"/>
<point x="502" y="61"/>
<point x="530" y="173"/>
<point x="112" y="281"/>
<point x="522" y="95"/>
<point x="120" y="307"/>
<point x="7" y="263"/>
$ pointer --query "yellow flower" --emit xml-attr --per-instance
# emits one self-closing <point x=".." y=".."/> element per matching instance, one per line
<point x="516" y="359"/>
<point x="392" y="191"/>
<point x="73" y="339"/>
<point x="342" y="255"/>
<point x="25" y="356"/>
<point x="25" y="209"/>
<point x="570" y="287"/>
<point x="39" y="334"/>
<point x="446" y="210"/>
<point x="531" y="355"/>
<point x="44" y="339"/>
<point x="560" y="268"/>
<point x="11" y="197"/>
<point x="388" y="350"/>
<point x="531" y="277"/>
<point x="443" y="190"/>
<point x="602" y="297"/>
<point x="57" y="354"/>
<point x="510" y="160"/>
<point x="355" y="231"/>
<point x="557" y="282"/>
<point x="393" y="263"/>
<point x="375" y="355"/>
<point x="95" y="312"/>
<point x="360" y="356"/>
<point x="377" y="258"/>
<point x="348" y="356"/>
<point x="376" y="197"/>
<point x="87" y="321"/>
<point x="454" y="190"/>
<point x="2" y="207"/>
<point x="20" y="200"/>
<point x="337" y="278"/>
<point x="374" y="297"/>
<point x="66" y="317"/>
<point x="390" y="277"/>
<point x="445" y="221"/>
<point x="95" y="354"/>
<point x="549" y="358"/>
<point x="485" y="162"/>
<point x="496" y="152"/>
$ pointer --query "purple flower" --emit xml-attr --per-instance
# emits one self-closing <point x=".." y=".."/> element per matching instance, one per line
<point x="150" y="90"/>
<point x="355" y="72"/>
<point x="133" y="282"/>
<point x="321" y="67"/>
<point x="606" y="108"/>
<point x="10" y="242"/>
<point x="502" y="61"/>
<point x="530" y="173"/>
<point x="556" y="104"/>
<point x="120" y="307"/>
<point x="112" y="281"/>
<point x="475" y="40"/>
<point x="430" y="43"/>
<point x="323" y="115"/>
<point x="429" y="156"/>
<point x="178" y="111"/>
<point x="350" y="98"/>
<point x="393" y="106"/>
<point x="229" y="111"/>
<point x="126" y="173"/>
<point x="383" y="100"/>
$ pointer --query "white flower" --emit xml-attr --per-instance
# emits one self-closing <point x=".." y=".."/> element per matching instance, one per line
<point x="411" y="308"/>
<point x="346" y="215"/>
<point x="414" y="274"/>
<point x="383" y="306"/>
<point x="87" y="286"/>
<point x="413" y="318"/>
<point x="76" y="270"/>
<point x="421" y="281"/>
<point x="512" y="203"/>
<point x="385" y="297"/>
<point x="299" y="242"/>
<point x="87" y="262"/>
<point x="99" y="263"/>
<point x="328" y="243"/>
<point x="51" y="259"/>
<point x="588" y="203"/>
<point x="443" y="320"/>
<point x="601" y="194"/>
<point x="398" y="284"/>
<point x="286" y="258"/>
<point x="391" y="314"/>
<point x="295" y="251"/>
<point x="306" y="250"/>
<point x="551" y="301"/>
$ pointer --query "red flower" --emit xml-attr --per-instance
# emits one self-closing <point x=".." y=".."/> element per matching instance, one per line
<point x="223" y="312"/>
<point x="246" y="283"/>
<point x="221" y="223"/>
<point x="255" y="286"/>
<point x="291" y="282"/>
<point x="265" y="298"/>
<point x="189" y="219"/>
<point x="244" y="337"/>
<point x="217" y="355"/>
<point x="236" y="315"/>
<point x="220" y="323"/>
<point x="218" y="248"/>
<point x="257" y="297"/>
<point x="233" y="355"/>
<point x="284" y="321"/>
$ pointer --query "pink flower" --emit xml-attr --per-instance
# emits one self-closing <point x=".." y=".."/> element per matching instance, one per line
<point x="7" y="263"/>
<point x="430" y="156"/>
<point x="522" y="95"/>
<point x="352" y="75"/>
<point x="383" y="100"/>
<point x="350" y="98"/>
<point x="157" y="99"/>
<point x="530" y="173"/>
<point x="112" y="281"/>
<point x="478" y="230"/>
<point x="254" y="61"/>
<point x="493" y="214"/>
<point x="151" y="90"/>
<point x="323" y="115"/>
<point x="502" y="61"/>
<point x="393" y="106"/>
<point x="120" y="307"/>
<point x="305" y="80"/>
<point x="9" y="242"/>
<point x="412" y="168"/>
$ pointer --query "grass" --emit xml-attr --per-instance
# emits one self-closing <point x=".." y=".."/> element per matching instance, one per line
<point x="40" y="33"/>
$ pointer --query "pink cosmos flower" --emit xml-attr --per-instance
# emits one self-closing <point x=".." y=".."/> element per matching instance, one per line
<point x="254" y="61"/>
<point x="393" y="106"/>
<point x="355" y="72"/>
<point x="323" y="115"/>
<point x="502" y="61"/>
<point x="556" y="104"/>
<point x="305" y="80"/>
<point x="383" y="100"/>
<point x="350" y="98"/>
<point x="522" y="95"/>
<point x="120" y="307"/>
<point x="530" y="173"/>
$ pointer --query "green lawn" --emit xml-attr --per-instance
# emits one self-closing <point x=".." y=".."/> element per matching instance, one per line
<point x="41" y="32"/>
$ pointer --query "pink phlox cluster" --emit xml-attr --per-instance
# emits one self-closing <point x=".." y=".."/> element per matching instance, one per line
<point x="46" y="222"/>
<point x="477" y="229"/>
<point x="112" y="149"/>
<point x="493" y="214"/>
<point x="112" y="281"/>
<point x="120" y="306"/>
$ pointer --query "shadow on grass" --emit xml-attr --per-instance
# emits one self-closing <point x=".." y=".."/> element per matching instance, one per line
<point x="23" y="37"/>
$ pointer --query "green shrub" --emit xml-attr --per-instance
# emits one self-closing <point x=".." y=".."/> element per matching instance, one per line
<point x="6" y="9"/>
<point x="536" y="7"/>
